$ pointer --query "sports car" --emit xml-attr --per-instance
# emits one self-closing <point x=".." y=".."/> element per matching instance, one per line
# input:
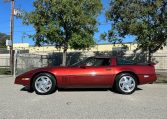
<point x="93" y="72"/>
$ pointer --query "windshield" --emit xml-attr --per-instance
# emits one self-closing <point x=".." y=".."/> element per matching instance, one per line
<point x="91" y="61"/>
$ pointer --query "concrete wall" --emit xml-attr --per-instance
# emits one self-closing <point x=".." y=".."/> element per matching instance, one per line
<point x="4" y="60"/>
<point x="50" y="49"/>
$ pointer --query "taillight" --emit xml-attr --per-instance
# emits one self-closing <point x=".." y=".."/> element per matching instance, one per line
<point x="152" y="64"/>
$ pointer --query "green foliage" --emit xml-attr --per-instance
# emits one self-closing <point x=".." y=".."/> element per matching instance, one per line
<point x="64" y="22"/>
<point x="3" y="38"/>
<point x="145" y="19"/>
<point x="112" y="36"/>
<point x="81" y="42"/>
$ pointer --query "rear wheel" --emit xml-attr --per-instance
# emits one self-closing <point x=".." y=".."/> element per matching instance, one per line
<point x="126" y="83"/>
<point x="44" y="83"/>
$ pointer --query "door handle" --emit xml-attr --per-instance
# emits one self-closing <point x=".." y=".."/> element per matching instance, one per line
<point x="108" y="69"/>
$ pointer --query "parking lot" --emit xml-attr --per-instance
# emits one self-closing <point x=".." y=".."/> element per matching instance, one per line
<point x="148" y="102"/>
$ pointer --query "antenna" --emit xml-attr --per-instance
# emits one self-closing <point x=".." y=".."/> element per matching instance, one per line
<point x="7" y="1"/>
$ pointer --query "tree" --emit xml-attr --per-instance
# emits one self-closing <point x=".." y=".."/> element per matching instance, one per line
<point x="145" y="19"/>
<point x="64" y="23"/>
<point x="3" y="38"/>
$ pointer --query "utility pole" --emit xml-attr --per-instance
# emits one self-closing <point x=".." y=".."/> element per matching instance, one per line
<point x="11" y="37"/>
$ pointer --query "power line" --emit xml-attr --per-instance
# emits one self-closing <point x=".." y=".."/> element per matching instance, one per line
<point x="21" y="31"/>
<point x="24" y="27"/>
<point x="100" y="24"/>
<point x="24" y="31"/>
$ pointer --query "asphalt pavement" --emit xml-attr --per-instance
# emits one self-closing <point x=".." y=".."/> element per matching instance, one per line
<point x="148" y="102"/>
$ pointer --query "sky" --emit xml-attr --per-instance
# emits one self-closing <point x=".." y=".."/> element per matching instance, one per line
<point x="20" y="29"/>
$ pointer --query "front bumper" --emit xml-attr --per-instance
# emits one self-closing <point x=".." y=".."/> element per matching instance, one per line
<point x="22" y="81"/>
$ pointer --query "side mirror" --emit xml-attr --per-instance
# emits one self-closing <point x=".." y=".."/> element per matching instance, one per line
<point x="83" y="66"/>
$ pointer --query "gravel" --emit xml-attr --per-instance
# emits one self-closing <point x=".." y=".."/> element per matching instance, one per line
<point x="148" y="102"/>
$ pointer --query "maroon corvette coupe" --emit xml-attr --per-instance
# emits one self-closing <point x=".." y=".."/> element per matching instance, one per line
<point x="94" y="72"/>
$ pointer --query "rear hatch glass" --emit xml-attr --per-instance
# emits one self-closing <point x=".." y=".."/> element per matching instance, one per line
<point x="125" y="62"/>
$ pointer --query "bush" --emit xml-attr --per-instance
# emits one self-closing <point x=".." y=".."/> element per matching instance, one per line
<point x="5" y="71"/>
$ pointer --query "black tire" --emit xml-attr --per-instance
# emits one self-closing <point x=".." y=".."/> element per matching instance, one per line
<point x="118" y="83"/>
<point x="51" y="79"/>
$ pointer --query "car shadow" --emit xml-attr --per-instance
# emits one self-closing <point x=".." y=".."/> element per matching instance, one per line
<point x="138" y="89"/>
<point x="27" y="89"/>
<point x="81" y="89"/>
<point x="90" y="89"/>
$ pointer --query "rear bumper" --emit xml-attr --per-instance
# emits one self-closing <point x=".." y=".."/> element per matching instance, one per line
<point x="147" y="78"/>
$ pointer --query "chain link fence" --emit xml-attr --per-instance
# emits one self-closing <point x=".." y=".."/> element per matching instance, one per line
<point x="25" y="61"/>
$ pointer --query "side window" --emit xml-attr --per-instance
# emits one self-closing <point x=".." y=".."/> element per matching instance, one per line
<point x="98" y="62"/>
<point x="106" y="62"/>
<point x="90" y="62"/>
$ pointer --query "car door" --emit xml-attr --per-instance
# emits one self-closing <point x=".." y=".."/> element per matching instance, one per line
<point x="91" y="76"/>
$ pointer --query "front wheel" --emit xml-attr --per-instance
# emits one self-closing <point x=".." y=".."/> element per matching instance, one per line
<point x="44" y="83"/>
<point x="126" y="83"/>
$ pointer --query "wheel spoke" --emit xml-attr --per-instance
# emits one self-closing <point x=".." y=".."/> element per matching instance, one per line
<point x="127" y="87"/>
<point x="130" y="82"/>
<point x="126" y="79"/>
<point x="49" y="85"/>
<point x="39" y="83"/>
<point x="121" y="81"/>
<point x="44" y="88"/>
<point x="43" y="79"/>
<point x="131" y="85"/>
<point x="48" y="81"/>
<point x="122" y="86"/>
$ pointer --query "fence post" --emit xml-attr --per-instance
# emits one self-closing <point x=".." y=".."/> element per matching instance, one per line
<point x="41" y="60"/>
<point x="15" y="63"/>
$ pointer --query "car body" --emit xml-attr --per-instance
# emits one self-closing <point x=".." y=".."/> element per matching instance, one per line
<point x="102" y="74"/>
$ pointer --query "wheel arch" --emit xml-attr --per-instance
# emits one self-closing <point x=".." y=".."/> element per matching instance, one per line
<point x="130" y="72"/>
<point x="37" y="73"/>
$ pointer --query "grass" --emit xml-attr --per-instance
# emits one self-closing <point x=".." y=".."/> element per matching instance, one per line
<point x="161" y="79"/>
<point x="5" y="71"/>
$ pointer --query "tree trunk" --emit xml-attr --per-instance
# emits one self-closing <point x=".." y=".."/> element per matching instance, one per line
<point x="149" y="55"/>
<point x="64" y="57"/>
